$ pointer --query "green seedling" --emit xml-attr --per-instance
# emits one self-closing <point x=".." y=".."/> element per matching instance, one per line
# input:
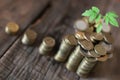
<point x="95" y="17"/>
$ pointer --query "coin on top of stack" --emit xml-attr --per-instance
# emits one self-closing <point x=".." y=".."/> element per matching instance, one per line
<point x="12" y="28"/>
<point x="95" y="37"/>
<point x="85" y="44"/>
<point x="29" y="37"/>
<point x="47" y="45"/>
<point x="68" y="42"/>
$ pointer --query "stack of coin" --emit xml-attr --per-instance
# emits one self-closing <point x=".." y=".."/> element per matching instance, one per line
<point x="92" y="47"/>
<point x="29" y="37"/>
<point x="74" y="59"/>
<point x="86" y="66"/>
<point x="47" y="45"/>
<point x="68" y="43"/>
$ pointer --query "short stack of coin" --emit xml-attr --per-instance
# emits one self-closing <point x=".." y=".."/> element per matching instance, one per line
<point x="93" y="47"/>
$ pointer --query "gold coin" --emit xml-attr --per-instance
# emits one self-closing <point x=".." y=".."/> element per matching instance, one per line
<point x="108" y="38"/>
<point x="12" y="28"/>
<point x="87" y="35"/>
<point x="85" y="44"/>
<point x="108" y="47"/>
<point x="96" y="36"/>
<point x="99" y="49"/>
<point x="92" y="53"/>
<point x="70" y="39"/>
<point x="80" y="35"/>
<point x="29" y="37"/>
<point x="49" y="41"/>
<point x="102" y="58"/>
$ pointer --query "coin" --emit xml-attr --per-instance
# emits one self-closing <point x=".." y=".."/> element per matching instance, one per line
<point x="108" y="38"/>
<point x="99" y="49"/>
<point x="102" y="58"/>
<point x="70" y="39"/>
<point x="108" y="47"/>
<point x="96" y="37"/>
<point x="92" y="53"/>
<point x="29" y="37"/>
<point x="84" y="52"/>
<point x="12" y="28"/>
<point x="81" y="25"/>
<point x="80" y="35"/>
<point x="106" y="28"/>
<point x="49" y="42"/>
<point x="47" y="45"/>
<point x="85" y="44"/>
<point x="87" y="36"/>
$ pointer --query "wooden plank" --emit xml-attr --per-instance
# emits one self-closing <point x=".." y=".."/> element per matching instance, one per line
<point x="23" y="13"/>
<point x="21" y="60"/>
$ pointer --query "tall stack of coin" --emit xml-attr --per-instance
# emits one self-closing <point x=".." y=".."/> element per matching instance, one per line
<point x="86" y="66"/>
<point x="68" y="43"/>
<point x="47" y="45"/>
<point x="74" y="59"/>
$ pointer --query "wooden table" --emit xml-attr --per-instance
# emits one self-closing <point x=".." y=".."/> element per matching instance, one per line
<point x="54" y="18"/>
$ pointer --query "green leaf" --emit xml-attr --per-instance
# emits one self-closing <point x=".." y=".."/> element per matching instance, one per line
<point x="112" y="14"/>
<point x="111" y="19"/>
<point x="99" y="28"/>
<point x="98" y="18"/>
<point x="106" y="20"/>
<point x="92" y="17"/>
<point x="95" y="9"/>
<point x="87" y="13"/>
<point x="113" y="22"/>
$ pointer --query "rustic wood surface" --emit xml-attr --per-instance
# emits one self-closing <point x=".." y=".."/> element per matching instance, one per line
<point x="49" y="18"/>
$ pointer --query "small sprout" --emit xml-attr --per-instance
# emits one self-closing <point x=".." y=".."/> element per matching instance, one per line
<point x="94" y="16"/>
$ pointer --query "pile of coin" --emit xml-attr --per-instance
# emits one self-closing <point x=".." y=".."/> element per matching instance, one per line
<point x="91" y="47"/>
